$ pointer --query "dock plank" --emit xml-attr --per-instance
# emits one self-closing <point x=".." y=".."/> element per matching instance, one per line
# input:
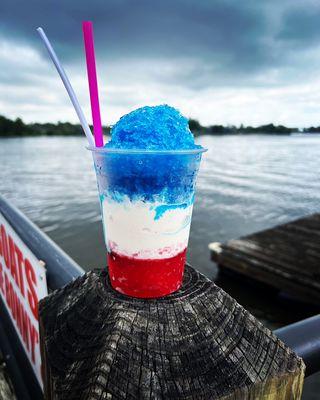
<point x="286" y="257"/>
<point x="284" y="260"/>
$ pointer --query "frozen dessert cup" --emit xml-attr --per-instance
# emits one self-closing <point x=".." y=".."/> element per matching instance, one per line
<point x="146" y="178"/>
<point x="146" y="201"/>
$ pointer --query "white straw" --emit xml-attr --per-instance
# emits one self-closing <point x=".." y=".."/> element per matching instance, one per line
<point x="68" y="86"/>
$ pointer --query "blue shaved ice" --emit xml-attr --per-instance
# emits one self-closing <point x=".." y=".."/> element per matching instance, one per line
<point x="152" y="128"/>
<point x="166" y="180"/>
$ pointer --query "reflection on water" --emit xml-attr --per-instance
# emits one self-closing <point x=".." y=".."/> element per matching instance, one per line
<point x="246" y="183"/>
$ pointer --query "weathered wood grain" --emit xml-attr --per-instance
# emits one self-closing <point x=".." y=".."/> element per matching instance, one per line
<point x="286" y="257"/>
<point x="197" y="343"/>
<point x="6" y="388"/>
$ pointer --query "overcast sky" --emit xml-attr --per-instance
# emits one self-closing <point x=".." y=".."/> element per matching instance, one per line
<point x="228" y="62"/>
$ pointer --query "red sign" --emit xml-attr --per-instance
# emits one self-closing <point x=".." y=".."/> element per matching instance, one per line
<point x="22" y="285"/>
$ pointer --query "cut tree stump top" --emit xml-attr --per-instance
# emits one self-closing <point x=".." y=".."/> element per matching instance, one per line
<point x="197" y="343"/>
<point x="286" y="256"/>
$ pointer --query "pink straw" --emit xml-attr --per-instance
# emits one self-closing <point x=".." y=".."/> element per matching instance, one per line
<point x="93" y="84"/>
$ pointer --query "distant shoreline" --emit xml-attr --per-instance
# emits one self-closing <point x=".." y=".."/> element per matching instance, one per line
<point x="17" y="128"/>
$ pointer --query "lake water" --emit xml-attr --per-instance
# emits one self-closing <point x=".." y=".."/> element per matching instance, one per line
<point x="245" y="184"/>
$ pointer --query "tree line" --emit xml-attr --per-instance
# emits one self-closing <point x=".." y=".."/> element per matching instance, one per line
<point x="197" y="128"/>
<point x="17" y="127"/>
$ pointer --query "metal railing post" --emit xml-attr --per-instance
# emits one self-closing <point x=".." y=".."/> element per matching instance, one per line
<point x="61" y="269"/>
<point x="304" y="338"/>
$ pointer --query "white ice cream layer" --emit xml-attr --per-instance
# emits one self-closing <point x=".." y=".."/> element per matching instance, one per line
<point x="131" y="229"/>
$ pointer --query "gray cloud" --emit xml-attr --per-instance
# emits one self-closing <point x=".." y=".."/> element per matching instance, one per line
<point x="227" y="37"/>
<point x="150" y="51"/>
<point x="230" y="31"/>
<point x="301" y="26"/>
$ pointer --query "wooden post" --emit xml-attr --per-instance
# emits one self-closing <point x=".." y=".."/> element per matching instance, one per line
<point x="197" y="343"/>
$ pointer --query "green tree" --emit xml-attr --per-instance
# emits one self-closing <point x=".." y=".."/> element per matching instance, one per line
<point x="195" y="126"/>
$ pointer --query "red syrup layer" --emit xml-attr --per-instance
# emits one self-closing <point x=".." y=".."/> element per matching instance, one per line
<point x="149" y="278"/>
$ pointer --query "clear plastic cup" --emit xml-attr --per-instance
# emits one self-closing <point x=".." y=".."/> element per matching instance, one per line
<point x="146" y="202"/>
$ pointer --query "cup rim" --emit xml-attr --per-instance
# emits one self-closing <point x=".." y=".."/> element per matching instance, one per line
<point x="106" y="150"/>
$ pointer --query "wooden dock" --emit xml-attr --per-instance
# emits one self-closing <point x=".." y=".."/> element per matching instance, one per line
<point x="286" y="257"/>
